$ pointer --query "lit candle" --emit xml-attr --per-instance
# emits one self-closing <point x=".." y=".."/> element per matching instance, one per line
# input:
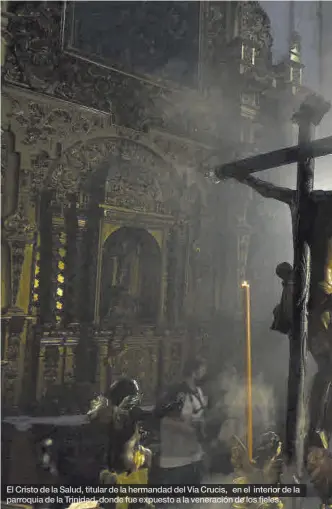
<point x="246" y="288"/>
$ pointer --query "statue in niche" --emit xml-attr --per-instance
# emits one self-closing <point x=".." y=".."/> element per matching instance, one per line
<point x="130" y="278"/>
<point x="123" y="308"/>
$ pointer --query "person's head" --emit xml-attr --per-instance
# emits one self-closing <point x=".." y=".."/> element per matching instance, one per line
<point x="195" y="368"/>
<point x="284" y="271"/>
<point x="122" y="388"/>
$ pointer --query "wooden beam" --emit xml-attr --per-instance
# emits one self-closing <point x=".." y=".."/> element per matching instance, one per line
<point x="244" y="167"/>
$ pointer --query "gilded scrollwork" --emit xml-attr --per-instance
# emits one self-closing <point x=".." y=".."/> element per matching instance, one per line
<point x="17" y="258"/>
<point x="254" y="24"/>
<point x="64" y="182"/>
<point x="36" y="58"/>
<point x="11" y="353"/>
<point x="136" y="178"/>
<point x="40" y="164"/>
<point x="51" y="364"/>
<point x="42" y="121"/>
<point x="85" y="158"/>
<point x="134" y="190"/>
<point x="18" y="231"/>
<point x="34" y="50"/>
<point x="141" y="363"/>
<point x="17" y="227"/>
<point x="4" y="158"/>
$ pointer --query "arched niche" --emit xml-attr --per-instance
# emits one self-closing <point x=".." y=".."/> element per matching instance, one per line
<point x="130" y="277"/>
<point x="116" y="181"/>
<point x="117" y="169"/>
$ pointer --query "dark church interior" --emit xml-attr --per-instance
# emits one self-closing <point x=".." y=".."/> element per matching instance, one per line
<point x="165" y="318"/>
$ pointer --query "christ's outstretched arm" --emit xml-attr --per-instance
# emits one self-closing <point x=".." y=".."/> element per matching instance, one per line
<point x="268" y="190"/>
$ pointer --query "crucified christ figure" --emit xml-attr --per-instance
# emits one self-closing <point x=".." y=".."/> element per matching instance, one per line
<point x="320" y="303"/>
<point x="321" y="246"/>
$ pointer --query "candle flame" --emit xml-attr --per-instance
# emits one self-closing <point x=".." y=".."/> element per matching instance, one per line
<point x="245" y="284"/>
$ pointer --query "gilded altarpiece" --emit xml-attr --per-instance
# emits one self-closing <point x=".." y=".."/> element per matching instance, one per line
<point x="138" y="192"/>
<point x="99" y="204"/>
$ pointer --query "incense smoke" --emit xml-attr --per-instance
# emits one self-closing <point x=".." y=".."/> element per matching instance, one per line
<point x="234" y="390"/>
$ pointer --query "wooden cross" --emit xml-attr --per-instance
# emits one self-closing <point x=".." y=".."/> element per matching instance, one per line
<point x="309" y="115"/>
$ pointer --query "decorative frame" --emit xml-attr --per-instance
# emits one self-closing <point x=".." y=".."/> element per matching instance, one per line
<point x="157" y="225"/>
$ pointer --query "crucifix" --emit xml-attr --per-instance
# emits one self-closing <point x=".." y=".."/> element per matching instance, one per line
<point x="309" y="116"/>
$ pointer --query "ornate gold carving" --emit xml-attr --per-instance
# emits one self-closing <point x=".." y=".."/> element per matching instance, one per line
<point x="17" y="226"/>
<point x="43" y="121"/>
<point x="17" y="231"/>
<point x="135" y="190"/>
<point x="139" y="360"/>
<point x="5" y="36"/>
<point x="4" y="158"/>
<point x="36" y="59"/>
<point x="84" y="158"/>
<point x="40" y="165"/>
<point x="137" y="178"/>
<point x="17" y="252"/>
<point x="254" y="24"/>
<point x="12" y="355"/>
<point x="63" y="181"/>
<point x="51" y="366"/>
<point x="34" y="51"/>
<point x="77" y="163"/>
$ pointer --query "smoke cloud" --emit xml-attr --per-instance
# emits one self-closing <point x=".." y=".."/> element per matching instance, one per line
<point x="234" y="391"/>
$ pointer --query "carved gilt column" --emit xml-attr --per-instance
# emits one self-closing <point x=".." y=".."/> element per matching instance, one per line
<point x="19" y="234"/>
<point x="9" y="200"/>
